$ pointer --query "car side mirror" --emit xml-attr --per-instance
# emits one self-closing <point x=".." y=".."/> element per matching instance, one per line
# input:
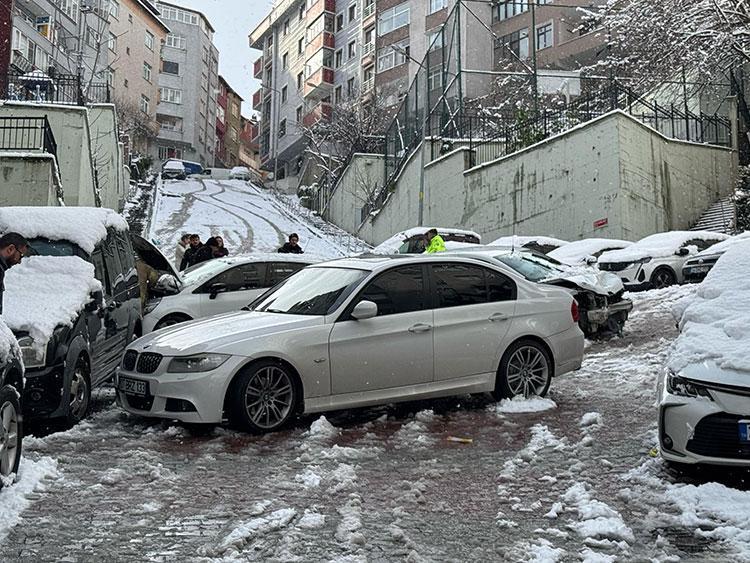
<point x="364" y="310"/>
<point x="683" y="252"/>
<point x="95" y="303"/>
<point x="591" y="260"/>
<point x="207" y="172"/>
<point x="215" y="289"/>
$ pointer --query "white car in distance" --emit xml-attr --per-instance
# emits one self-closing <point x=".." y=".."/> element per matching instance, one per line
<point x="656" y="261"/>
<point x="587" y="251"/>
<point x="354" y="333"/>
<point x="218" y="286"/>
<point x="240" y="173"/>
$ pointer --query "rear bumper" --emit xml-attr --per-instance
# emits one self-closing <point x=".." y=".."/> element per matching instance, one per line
<point x="567" y="348"/>
<point x="601" y="315"/>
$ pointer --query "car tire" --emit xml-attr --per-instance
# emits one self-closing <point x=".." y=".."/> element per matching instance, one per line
<point x="526" y="370"/>
<point x="663" y="277"/>
<point x="11" y="432"/>
<point x="79" y="392"/>
<point x="264" y="397"/>
<point x="171" y="320"/>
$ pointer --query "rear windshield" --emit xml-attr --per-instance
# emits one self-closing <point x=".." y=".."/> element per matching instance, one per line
<point x="47" y="247"/>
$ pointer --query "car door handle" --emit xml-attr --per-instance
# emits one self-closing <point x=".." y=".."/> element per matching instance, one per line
<point x="497" y="317"/>
<point x="420" y="327"/>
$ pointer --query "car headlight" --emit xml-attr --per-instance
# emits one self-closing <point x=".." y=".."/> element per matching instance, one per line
<point x="150" y="305"/>
<point x="33" y="356"/>
<point x="644" y="260"/>
<point x="682" y="387"/>
<point x="196" y="364"/>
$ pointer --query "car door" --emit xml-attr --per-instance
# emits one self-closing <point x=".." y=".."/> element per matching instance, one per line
<point x="241" y="285"/>
<point x="116" y="306"/>
<point x="391" y="350"/>
<point x="474" y="309"/>
<point x="103" y="335"/>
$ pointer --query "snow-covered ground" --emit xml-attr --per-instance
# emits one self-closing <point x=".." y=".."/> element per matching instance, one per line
<point x="569" y="478"/>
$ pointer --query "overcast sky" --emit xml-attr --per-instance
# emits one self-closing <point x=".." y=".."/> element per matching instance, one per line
<point x="233" y="20"/>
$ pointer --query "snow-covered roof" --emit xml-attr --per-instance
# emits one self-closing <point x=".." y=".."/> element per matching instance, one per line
<point x="715" y="321"/>
<point x="239" y="169"/>
<point x="392" y="244"/>
<point x="8" y="344"/>
<point x="174" y="165"/>
<point x="578" y="251"/>
<point x="44" y="292"/>
<point x="516" y="240"/>
<point x="84" y="226"/>
<point x="660" y="245"/>
<point x="723" y="246"/>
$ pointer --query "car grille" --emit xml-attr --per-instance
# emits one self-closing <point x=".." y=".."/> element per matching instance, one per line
<point x="614" y="266"/>
<point x="718" y="435"/>
<point x="128" y="361"/>
<point x="140" y="403"/>
<point x="148" y="362"/>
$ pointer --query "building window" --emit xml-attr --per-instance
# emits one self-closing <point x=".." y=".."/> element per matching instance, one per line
<point x="93" y="38"/>
<point x="300" y="80"/>
<point x="350" y="87"/>
<point x="352" y="49"/>
<point x="69" y="8"/>
<point x="170" y="95"/>
<point x="170" y="67"/>
<point x="516" y="42"/>
<point x="338" y="94"/>
<point x="544" y="36"/>
<point x="286" y="27"/>
<point x="282" y="128"/>
<point x="302" y="12"/>
<point x="338" y="58"/>
<point x="145" y="104"/>
<point x="393" y="18"/>
<point x="233" y="134"/>
<point x="435" y="39"/>
<point x="352" y="13"/>
<point x="112" y="43"/>
<point x="285" y="60"/>
<point x="340" y="22"/>
<point x="300" y="46"/>
<point x="149" y="41"/>
<point x="236" y="109"/>
<point x="300" y="109"/>
<point x="435" y="78"/>
<point x="393" y="55"/>
<point x="176" y="41"/>
<point x="169" y="152"/>
<point x="114" y="9"/>
<point x="284" y="94"/>
<point x="175" y="14"/>
<point x="147" y="71"/>
<point x="436" y="5"/>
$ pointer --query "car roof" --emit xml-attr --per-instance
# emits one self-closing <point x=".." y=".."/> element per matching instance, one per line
<point x="377" y="262"/>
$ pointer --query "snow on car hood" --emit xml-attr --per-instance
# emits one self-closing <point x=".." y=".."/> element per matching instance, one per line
<point x="391" y="245"/>
<point x="660" y="245"/>
<point x="723" y="246"/>
<point x="602" y="283"/>
<point x="715" y="321"/>
<point x="516" y="240"/>
<point x="222" y="332"/>
<point x="577" y="252"/>
<point x="44" y="292"/>
<point x="8" y="344"/>
<point x="84" y="226"/>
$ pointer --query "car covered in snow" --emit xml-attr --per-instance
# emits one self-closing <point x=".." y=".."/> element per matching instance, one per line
<point x="704" y="392"/>
<point x="603" y="309"/>
<point x="586" y="251"/>
<point x="173" y="170"/>
<point x="696" y="269"/>
<point x="656" y="261"/>
<point x="357" y="332"/>
<point x="74" y="303"/>
<point x="412" y="241"/>
<point x="11" y="391"/>
<point x="240" y="173"/>
<point x="219" y="286"/>
<point x="541" y="244"/>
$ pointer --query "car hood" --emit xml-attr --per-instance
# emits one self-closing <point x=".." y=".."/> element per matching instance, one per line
<point x="601" y="283"/>
<point x="222" y="332"/>
<point x="152" y="255"/>
<point x="709" y="372"/>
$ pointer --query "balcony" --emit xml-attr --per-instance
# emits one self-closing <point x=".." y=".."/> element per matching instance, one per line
<point x="325" y="39"/>
<point x="368" y="53"/>
<point x="321" y="112"/>
<point x="221" y="128"/>
<point x="368" y="14"/>
<point x="368" y="85"/>
<point x="258" y="68"/>
<point x="319" y="8"/>
<point x="257" y="100"/>
<point x="221" y="99"/>
<point x="319" y="84"/>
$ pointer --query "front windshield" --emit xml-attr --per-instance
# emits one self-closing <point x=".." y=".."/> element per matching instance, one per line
<point x="46" y="247"/>
<point x="312" y="291"/>
<point x="529" y="266"/>
<point x="202" y="272"/>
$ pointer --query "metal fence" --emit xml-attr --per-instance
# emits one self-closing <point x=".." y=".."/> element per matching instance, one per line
<point x="39" y="87"/>
<point x="22" y="134"/>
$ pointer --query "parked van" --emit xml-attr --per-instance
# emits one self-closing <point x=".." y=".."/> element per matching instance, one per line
<point x="189" y="167"/>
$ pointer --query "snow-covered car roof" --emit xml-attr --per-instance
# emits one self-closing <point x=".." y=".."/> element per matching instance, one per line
<point x="44" y="292"/>
<point x="392" y="244"/>
<point x="202" y="272"/>
<point x="84" y="226"/>
<point x="723" y="246"/>
<point x="578" y="251"/>
<point x="660" y="245"/>
<point x="8" y="344"/>
<point x="715" y="321"/>
<point x="238" y="169"/>
<point x="516" y="240"/>
<point x="174" y="165"/>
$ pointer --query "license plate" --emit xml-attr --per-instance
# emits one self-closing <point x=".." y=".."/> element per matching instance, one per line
<point x="133" y="387"/>
<point x="744" y="430"/>
<point x="700" y="269"/>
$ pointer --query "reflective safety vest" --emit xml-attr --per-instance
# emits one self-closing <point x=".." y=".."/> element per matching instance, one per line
<point x="437" y="244"/>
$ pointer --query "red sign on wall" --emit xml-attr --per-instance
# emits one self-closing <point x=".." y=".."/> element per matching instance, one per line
<point x="601" y="223"/>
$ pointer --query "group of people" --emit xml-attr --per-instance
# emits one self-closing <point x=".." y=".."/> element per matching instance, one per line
<point x="191" y="251"/>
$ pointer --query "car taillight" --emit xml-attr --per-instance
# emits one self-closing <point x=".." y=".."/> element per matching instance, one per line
<point x="574" y="311"/>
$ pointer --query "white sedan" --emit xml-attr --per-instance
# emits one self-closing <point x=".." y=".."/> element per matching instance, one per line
<point x="358" y="332"/>
<point x="219" y="286"/>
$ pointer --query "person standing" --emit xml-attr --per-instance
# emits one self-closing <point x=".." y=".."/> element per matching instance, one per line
<point x="214" y="248"/>
<point x="292" y="247"/>
<point x="219" y="250"/>
<point x="191" y="252"/>
<point x="13" y="247"/>
<point x="179" y="252"/>
<point x="435" y="242"/>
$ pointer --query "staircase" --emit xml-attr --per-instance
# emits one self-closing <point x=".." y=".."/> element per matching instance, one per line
<point x="721" y="217"/>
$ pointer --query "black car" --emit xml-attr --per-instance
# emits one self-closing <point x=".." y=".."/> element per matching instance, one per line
<point x="11" y="421"/>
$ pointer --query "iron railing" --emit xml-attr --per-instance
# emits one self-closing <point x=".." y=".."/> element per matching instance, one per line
<point x="36" y="86"/>
<point x="21" y="134"/>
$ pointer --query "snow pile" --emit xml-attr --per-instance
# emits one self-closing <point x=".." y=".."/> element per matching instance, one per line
<point x="44" y="292"/>
<point x="8" y="344"/>
<point x="715" y="321"/>
<point x="723" y="246"/>
<point x="14" y="498"/>
<point x="246" y="532"/>
<point x="415" y="433"/>
<point x="347" y="531"/>
<point x="596" y="519"/>
<point x="519" y="241"/>
<point x="321" y="429"/>
<point x="84" y="226"/>
<point x="522" y="405"/>
<point x="579" y="251"/>
<point x="344" y="477"/>
<point x="660" y="245"/>
<point x="308" y="479"/>
<point x="541" y="439"/>
<point x="391" y="245"/>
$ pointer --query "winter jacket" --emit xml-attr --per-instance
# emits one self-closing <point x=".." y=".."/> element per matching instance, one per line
<point x="179" y="254"/>
<point x="3" y="267"/>
<point x="189" y="259"/>
<point x="289" y="248"/>
<point x="437" y="244"/>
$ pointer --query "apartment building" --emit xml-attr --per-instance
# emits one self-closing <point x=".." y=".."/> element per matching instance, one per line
<point x="188" y="87"/>
<point x="228" y="126"/>
<point x="249" y="144"/>
<point x="136" y="36"/>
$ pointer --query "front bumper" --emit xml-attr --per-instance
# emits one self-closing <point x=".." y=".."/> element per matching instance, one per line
<point x="634" y="278"/>
<point x="43" y="394"/>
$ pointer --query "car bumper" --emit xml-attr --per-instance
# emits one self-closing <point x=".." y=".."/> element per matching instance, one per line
<point x="601" y="315"/>
<point x="42" y="396"/>
<point x="192" y="398"/>
<point x="634" y="278"/>
<point x="695" y="274"/>
<point x="567" y="348"/>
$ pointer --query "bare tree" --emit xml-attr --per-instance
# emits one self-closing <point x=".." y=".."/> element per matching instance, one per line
<point x="135" y="123"/>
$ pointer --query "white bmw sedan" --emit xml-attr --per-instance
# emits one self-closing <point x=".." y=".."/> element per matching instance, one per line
<point x="358" y="332"/>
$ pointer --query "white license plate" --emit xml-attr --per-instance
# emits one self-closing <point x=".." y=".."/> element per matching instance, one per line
<point x="700" y="269"/>
<point x="744" y="430"/>
<point x="133" y="386"/>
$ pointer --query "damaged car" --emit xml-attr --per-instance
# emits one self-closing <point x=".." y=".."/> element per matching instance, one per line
<point x="541" y="244"/>
<point x="412" y="241"/>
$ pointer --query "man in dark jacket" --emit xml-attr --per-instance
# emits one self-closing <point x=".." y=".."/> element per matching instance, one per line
<point x="13" y="247"/>
<point x="191" y="253"/>
<point x="214" y="248"/>
<point x="292" y="247"/>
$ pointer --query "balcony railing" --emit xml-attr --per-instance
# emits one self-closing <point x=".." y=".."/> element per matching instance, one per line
<point x="36" y="86"/>
<point x="258" y="68"/>
<point x="368" y="49"/>
<point x="368" y="85"/>
<point x="257" y="99"/>
<point x="319" y="83"/>
<point x="319" y="8"/>
<point x="23" y="134"/>
<point x="368" y="10"/>
<point x="324" y="39"/>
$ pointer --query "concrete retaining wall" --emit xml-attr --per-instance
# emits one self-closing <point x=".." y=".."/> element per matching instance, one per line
<point x="29" y="179"/>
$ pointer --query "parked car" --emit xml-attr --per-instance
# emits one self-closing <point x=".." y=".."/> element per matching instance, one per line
<point x="704" y="392"/>
<point x="542" y="244"/>
<point x="603" y="310"/>
<point x="412" y="241"/>
<point x="656" y="261"/>
<point x="173" y="170"/>
<point x="11" y="391"/>
<point x="74" y="305"/>
<point x="696" y="269"/>
<point x="219" y="286"/>
<point x="240" y="173"/>
<point x="586" y="251"/>
<point x="357" y="332"/>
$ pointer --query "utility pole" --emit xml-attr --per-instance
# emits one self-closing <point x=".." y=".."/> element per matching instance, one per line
<point x="535" y="73"/>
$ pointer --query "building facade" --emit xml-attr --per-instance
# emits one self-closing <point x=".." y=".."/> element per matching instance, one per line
<point x="188" y="87"/>
<point x="249" y="145"/>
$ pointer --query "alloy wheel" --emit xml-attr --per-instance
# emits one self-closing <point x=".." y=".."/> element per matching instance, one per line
<point x="528" y="372"/>
<point x="662" y="279"/>
<point x="8" y="437"/>
<point x="269" y="397"/>
<point x="79" y="395"/>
